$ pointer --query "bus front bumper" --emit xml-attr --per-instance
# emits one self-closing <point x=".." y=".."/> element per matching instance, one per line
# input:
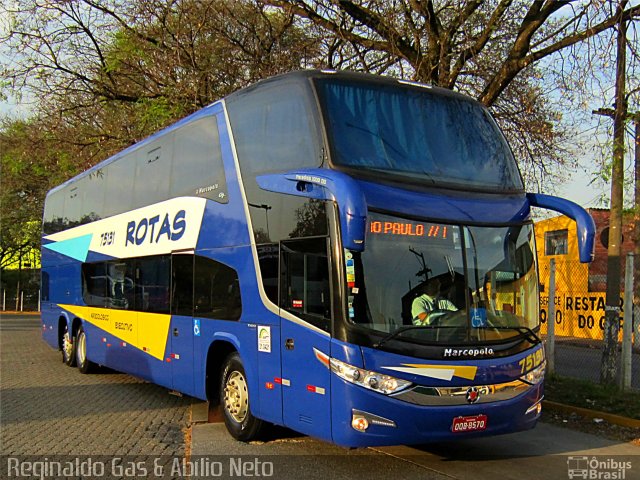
<point x="390" y="421"/>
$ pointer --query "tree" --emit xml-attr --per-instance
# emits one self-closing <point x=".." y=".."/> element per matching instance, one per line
<point x="31" y="164"/>
<point x="490" y="49"/>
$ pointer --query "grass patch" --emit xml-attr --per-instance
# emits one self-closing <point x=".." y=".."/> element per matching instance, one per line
<point x="581" y="393"/>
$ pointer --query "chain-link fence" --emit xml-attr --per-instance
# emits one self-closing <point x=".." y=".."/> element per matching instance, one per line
<point x="579" y="313"/>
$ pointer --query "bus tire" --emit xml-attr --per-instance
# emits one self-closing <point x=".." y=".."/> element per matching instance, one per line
<point x="68" y="347"/>
<point x="234" y="399"/>
<point x="84" y="364"/>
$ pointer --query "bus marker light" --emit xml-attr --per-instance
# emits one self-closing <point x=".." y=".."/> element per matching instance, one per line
<point x="168" y="359"/>
<point x="322" y="357"/>
<point x="108" y="344"/>
<point x="314" y="389"/>
<point x="123" y="344"/>
<point x="269" y="386"/>
<point x="104" y="340"/>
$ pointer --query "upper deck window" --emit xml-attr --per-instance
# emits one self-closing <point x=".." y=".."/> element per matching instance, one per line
<point x="274" y="129"/>
<point x="416" y="132"/>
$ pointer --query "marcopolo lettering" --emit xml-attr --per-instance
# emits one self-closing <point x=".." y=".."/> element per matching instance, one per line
<point x="467" y="352"/>
<point x="152" y="230"/>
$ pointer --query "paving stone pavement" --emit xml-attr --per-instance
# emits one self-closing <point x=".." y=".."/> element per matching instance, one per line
<point x="47" y="408"/>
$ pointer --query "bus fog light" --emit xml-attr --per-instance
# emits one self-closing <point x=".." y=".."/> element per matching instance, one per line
<point x="359" y="423"/>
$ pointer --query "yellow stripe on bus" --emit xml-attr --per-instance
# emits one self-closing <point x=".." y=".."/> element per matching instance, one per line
<point x="145" y="331"/>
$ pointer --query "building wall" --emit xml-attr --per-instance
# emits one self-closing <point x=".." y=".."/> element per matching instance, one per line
<point x="598" y="268"/>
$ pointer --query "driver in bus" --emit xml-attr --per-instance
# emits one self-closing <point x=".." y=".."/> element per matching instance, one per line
<point x="428" y="302"/>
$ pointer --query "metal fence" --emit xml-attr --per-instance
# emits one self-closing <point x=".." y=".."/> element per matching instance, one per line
<point x="573" y="321"/>
<point x="20" y="290"/>
<point x="20" y="300"/>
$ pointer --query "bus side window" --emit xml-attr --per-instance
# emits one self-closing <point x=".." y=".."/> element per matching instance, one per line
<point x="152" y="280"/>
<point x="304" y="287"/>
<point x="94" y="284"/>
<point x="216" y="290"/>
<point x="182" y="285"/>
<point x="197" y="167"/>
<point x="153" y="164"/>
<point x="275" y="129"/>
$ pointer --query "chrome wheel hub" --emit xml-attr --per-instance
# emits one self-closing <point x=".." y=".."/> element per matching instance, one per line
<point x="67" y="345"/>
<point x="236" y="396"/>
<point x="81" y="348"/>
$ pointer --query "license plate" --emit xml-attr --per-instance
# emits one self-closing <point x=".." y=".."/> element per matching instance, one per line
<point x="469" y="424"/>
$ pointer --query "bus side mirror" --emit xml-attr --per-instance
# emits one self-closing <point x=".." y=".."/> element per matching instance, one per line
<point x="585" y="224"/>
<point x="323" y="184"/>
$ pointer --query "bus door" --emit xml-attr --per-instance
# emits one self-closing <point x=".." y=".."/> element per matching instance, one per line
<point x="306" y="322"/>
<point x="181" y="330"/>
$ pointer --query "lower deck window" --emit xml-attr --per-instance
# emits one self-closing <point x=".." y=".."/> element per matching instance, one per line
<point x="182" y="284"/>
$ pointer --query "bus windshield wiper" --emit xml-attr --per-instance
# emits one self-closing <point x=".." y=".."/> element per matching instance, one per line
<point x="405" y="329"/>
<point x="529" y="334"/>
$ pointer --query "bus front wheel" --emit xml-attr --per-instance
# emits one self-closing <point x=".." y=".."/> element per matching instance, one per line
<point x="234" y="399"/>
<point x="84" y="364"/>
<point x="68" y="347"/>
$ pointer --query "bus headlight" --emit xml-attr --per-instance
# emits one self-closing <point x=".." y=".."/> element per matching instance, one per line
<point x="535" y="376"/>
<point x="375" y="381"/>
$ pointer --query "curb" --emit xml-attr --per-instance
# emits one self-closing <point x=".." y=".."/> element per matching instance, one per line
<point x="585" y="412"/>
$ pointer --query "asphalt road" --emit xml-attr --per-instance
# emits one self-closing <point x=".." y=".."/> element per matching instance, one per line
<point x="542" y="453"/>
<point x="48" y="410"/>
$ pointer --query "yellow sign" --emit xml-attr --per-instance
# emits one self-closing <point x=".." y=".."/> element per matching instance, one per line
<point x="581" y="316"/>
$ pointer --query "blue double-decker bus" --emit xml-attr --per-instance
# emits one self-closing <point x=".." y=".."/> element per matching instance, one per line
<point x="347" y="255"/>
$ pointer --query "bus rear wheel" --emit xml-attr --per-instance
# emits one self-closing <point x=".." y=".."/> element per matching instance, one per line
<point x="68" y="347"/>
<point x="84" y="364"/>
<point x="234" y="399"/>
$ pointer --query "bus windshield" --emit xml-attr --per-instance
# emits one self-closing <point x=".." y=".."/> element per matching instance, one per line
<point x="416" y="133"/>
<point x="435" y="283"/>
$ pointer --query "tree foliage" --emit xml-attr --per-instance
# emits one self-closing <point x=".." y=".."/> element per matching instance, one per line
<point x="31" y="163"/>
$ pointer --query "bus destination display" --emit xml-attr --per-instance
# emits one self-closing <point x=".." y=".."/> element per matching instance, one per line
<point x="409" y="229"/>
